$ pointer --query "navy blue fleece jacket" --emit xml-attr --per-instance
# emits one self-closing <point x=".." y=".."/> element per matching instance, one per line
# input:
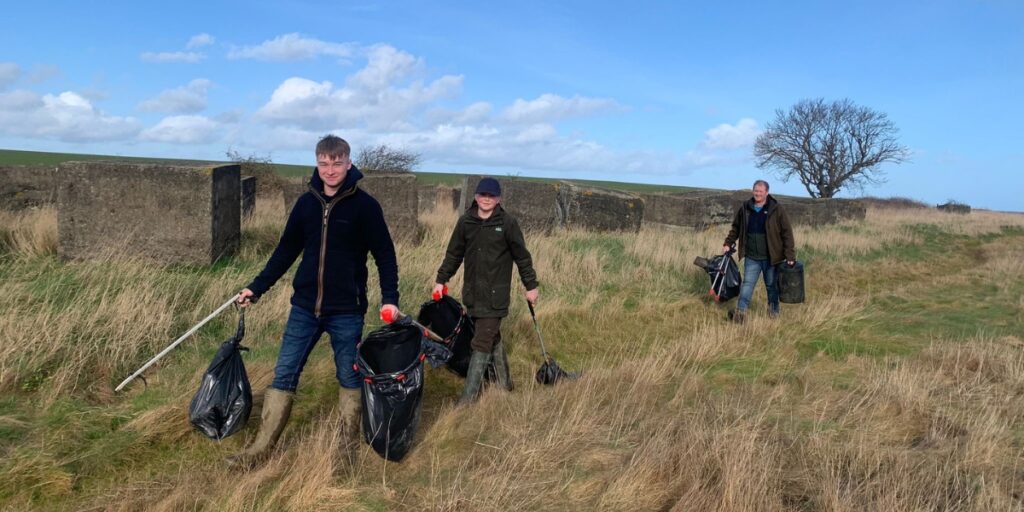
<point x="334" y="235"/>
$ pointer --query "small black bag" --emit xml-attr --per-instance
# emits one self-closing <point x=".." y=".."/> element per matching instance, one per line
<point x="725" y="277"/>
<point x="449" y="319"/>
<point x="390" y="360"/>
<point x="791" y="283"/>
<point x="223" y="402"/>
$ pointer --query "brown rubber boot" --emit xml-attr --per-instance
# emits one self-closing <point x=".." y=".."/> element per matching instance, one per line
<point x="349" y="407"/>
<point x="277" y="407"/>
<point x="501" y="371"/>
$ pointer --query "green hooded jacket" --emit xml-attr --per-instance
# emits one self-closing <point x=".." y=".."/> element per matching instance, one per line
<point x="488" y="248"/>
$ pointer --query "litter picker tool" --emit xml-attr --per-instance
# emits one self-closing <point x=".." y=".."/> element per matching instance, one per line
<point x="549" y="372"/>
<point x="400" y="317"/>
<point x="176" y="343"/>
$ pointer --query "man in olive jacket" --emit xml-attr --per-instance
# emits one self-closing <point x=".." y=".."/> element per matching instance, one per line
<point x="488" y="240"/>
<point x="765" y="238"/>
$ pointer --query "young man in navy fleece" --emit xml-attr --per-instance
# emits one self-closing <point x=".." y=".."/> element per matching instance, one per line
<point x="334" y="225"/>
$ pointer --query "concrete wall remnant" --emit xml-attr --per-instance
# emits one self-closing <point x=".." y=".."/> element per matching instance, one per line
<point x="598" y="209"/>
<point x="703" y="208"/>
<point x="438" y="196"/>
<point x="534" y="204"/>
<point x="24" y="187"/>
<point x="168" y="213"/>
<point x="248" y="195"/>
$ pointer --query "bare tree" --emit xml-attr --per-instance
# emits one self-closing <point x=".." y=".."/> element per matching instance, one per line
<point x="829" y="146"/>
<point x="387" y="159"/>
<point x="262" y="167"/>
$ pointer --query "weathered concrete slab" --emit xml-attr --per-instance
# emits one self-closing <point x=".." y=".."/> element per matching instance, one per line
<point x="438" y="196"/>
<point x="396" y="193"/>
<point x="534" y="204"/>
<point x="673" y="210"/>
<point x="598" y="209"/>
<point x="24" y="187"/>
<point x="248" y="195"/>
<point x="160" y="212"/>
<point x="700" y="209"/>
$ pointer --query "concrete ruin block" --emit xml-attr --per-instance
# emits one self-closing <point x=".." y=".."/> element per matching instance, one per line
<point x="24" y="187"/>
<point x="396" y="193"/>
<point x="438" y="196"/>
<point x="168" y="213"/>
<point x="673" y="211"/>
<point x="426" y="198"/>
<point x="599" y="209"/>
<point x="534" y="204"/>
<point x="248" y="195"/>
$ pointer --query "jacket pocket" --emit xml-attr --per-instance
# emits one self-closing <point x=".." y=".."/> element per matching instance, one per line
<point x="500" y="296"/>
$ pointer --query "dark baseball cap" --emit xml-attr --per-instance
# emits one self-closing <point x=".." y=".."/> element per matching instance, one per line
<point x="489" y="186"/>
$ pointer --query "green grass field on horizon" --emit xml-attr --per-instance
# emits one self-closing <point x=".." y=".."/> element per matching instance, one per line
<point x="21" y="157"/>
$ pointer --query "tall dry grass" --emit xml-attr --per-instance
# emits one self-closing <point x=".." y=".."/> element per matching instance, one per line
<point x="677" y="410"/>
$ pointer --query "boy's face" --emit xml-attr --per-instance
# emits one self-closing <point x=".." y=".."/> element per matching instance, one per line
<point x="333" y="170"/>
<point x="486" y="202"/>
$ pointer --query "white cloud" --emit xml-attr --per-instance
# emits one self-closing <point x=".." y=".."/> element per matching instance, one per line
<point x="187" y="99"/>
<point x="551" y="107"/>
<point x="165" y="57"/>
<point x="291" y="47"/>
<point x="385" y="65"/>
<point x="384" y="95"/>
<point x="728" y="137"/>
<point x="43" y="72"/>
<point x="9" y="73"/>
<point x="183" y="130"/>
<point x="67" y="116"/>
<point x="199" y="41"/>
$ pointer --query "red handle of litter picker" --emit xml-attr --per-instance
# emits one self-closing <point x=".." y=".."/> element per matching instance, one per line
<point x="389" y="318"/>
<point x="437" y="296"/>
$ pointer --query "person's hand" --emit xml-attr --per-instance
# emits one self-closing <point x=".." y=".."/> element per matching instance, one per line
<point x="389" y="313"/>
<point x="245" y="298"/>
<point x="439" y="291"/>
<point x="532" y="296"/>
<point x="726" y="249"/>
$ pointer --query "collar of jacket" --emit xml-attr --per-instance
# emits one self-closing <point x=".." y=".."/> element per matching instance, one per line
<point x="474" y="215"/>
<point x="769" y="203"/>
<point x="317" y="185"/>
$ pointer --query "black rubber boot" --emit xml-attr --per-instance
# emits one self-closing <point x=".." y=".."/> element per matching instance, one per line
<point x="474" y="377"/>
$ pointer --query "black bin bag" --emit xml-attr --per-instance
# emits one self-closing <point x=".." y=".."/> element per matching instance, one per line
<point x="222" y="405"/>
<point x="390" y="361"/>
<point x="450" y="320"/>
<point x="791" y="283"/>
<point x="725" y="277"/>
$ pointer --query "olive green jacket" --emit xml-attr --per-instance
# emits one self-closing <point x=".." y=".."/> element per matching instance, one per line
<point x="778" y="229"/>
<point x="488" y="248"/>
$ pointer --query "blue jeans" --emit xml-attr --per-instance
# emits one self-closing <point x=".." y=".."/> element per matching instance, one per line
<point x="752" y="269"/>
<point x="300" y="336"/>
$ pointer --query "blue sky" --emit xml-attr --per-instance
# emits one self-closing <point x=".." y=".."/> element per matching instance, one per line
<point x="656" y="92"/>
